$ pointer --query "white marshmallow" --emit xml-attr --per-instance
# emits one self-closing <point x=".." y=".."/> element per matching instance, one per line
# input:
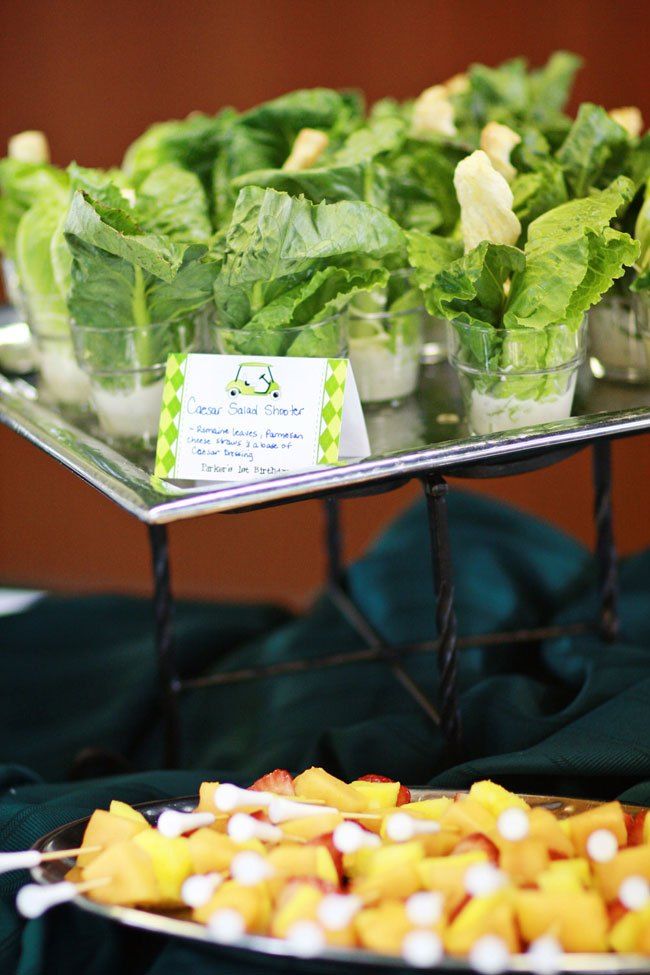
<point x="242" y="827"/>
<point x="282" y="810"/>
<point x="171" y="823"/>
<point x="513" y="824"/>
<point x="227" y="925"/>
<point x="545" y="955"/>
<point x="199" y="888"/>
<point x="489" y="955"/>
<point x="634" y="893"/>
<point x="249" y="868"/>
<point x="336" y="911"/>
<point x="350" y="837"/>
<point x="483" y="879"/>
<point x="422" y="949"/>
<point x="424" y="908"/>
<point x="602" y="846"/>
<point x="400" y="827"/>
<point x="306" y="938"/>
<point x="228" y="797"/>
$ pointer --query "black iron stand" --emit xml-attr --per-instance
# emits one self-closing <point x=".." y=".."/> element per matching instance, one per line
<point x="606" y="556"/>
<point x="168" y="678"/>
<point x="375" y="648"/>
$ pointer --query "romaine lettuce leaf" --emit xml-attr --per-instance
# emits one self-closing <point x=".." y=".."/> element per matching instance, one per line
<point x="21" y="186"/>
<point x="572" y="257"/>
<point x="276" y="242"/>
<point x="594" y="145"/>
<point x="45" y="300"/>
<point x="171" y="201"/>
<point x="537" y="192"/>
<point x="123" y="276"/>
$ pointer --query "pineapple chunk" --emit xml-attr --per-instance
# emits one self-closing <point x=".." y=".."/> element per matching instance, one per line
<point x="427" y="808"/>
<point x="309" y="827"/>
<point x="383" y="928"/>
<point x="104" y="829"/>
<point x="123" y="809"/>
<point x="378" y="795"/>
<point x="291" y="860"/>
<point x="579" y="919"/>
<point x="564" y="876"/>
<point x="495" y="798"/>
<point x="171" y="860"/>
<point x="447" y="874"/>
<point x="482" y="915"/>
<point x="468" y="816"/>
<point x="609" y="816"/>
<point x="212" y="851"/>
<point x="627" y="934"/>
<point x="253" y="903"/>
<point x="319" y="785"/>
<point x="132" y="876"/>
<point x="300" y="904"/>
<point x="634" y="861"/>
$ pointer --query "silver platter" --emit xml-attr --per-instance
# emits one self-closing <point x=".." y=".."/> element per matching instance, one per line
<point x="175" y="926"/>
<point x="424" y="433"/>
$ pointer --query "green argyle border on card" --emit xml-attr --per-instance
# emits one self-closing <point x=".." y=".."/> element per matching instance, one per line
<point x="172" y="400"/>
<point x="332" y="411"/>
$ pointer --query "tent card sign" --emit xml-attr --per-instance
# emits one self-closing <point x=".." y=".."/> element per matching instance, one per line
<point x="237" y="418"/>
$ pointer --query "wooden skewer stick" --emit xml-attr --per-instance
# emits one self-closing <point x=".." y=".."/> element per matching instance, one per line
<point x="26" y="859"/>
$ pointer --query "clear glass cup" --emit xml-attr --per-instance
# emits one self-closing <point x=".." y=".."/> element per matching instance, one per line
<point x="434" y="345"/>
<point x="386" y="335"/>
<point x="125" y="366"/>
<point x="11" y="284"/>
<point x="326" y="339"/>
<point x="61" y="382"/>
<point x="502" y="383"/>
<point x="619" y="344"/>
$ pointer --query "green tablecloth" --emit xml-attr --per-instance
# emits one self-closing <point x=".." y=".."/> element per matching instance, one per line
<point x="570" y="716"/>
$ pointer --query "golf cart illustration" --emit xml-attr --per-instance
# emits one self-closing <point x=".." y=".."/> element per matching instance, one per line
<point x="253" y="379"/>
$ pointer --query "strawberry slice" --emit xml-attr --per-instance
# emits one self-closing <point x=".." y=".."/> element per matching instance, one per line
<point x="477" y="843"/>
<point x="404" y="794"/>
<point x="635" y="828"/>
<point x="615" y="911"/>
<point x="279" y="782"/>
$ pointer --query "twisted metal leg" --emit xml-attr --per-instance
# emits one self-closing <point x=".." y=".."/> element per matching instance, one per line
<point x="435" y="489"/>
<point x="163" y="605"/>
<point x="605" y="547"/>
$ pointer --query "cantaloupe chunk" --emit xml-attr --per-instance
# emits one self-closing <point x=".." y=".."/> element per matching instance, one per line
<point x="253" y="903"/>
<point x="378" y="795"/>
<point x="318" y="784"/>
<point x="525" y="860"/>
<point x="132" y="876"/>
<point x="609" y="816"/>
<point x="206" y="798"/>
<point x="468" y="816"/>
<point x="627" y="863"/>
<point x="291" y="860"/>
<point x="211" y="851"/>
<point x="427" y="808"/>
<point x="400" y="882"/>
<point x="545" y="827"/>
<point x="447" y="874"/>
<point x="171" y="860"/>
<point x="104" y="829"/>
<point x="578" y="919"/>
<point x="309" y="827"/>
<point x="482" y="915"/>
<point x="495" y="798"/>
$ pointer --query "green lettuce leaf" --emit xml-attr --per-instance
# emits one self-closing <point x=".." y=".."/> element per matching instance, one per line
<point x="536" y="192"/>
<point x="276" y="242"/>
<point x="171" y="201"/>
<point x="572" y="257"/>
<point x="46" y="301"/>
<point x="22" y="185"/>
<point x="123" y="276"/>
<point x="594" y="145"/>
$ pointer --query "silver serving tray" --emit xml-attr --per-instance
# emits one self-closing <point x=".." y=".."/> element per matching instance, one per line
<point x="424" y="433"/>
<point x="70" y="835"/>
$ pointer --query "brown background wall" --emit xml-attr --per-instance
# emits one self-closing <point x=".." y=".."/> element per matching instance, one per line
<point x="94" y="74"/>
